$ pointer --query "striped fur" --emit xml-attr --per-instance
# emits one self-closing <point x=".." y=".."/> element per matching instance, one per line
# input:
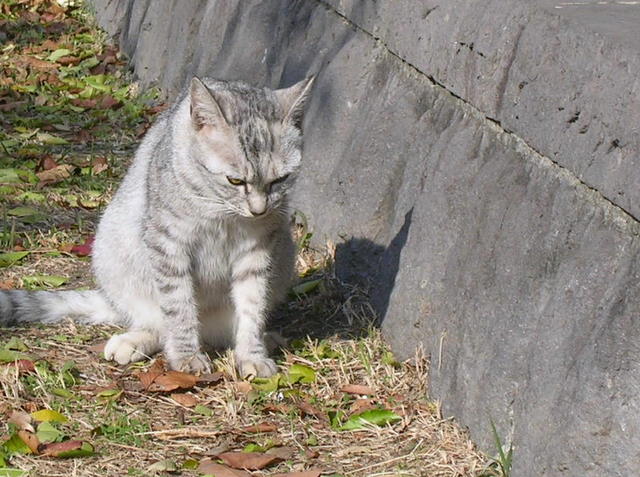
<point x="195" y="246"/>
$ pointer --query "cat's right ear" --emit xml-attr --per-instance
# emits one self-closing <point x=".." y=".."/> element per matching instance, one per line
<point x="205" y="111"/>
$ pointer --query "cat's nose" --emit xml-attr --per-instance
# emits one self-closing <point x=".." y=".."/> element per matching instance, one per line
<point x="257" y="205"/>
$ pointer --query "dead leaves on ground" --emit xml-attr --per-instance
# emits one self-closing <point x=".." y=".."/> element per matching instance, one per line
<point x="158" y="379"/>
<point x="35" y="434"/>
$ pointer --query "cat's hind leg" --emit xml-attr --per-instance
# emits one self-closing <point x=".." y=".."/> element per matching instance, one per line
<point x="132" y="346"/>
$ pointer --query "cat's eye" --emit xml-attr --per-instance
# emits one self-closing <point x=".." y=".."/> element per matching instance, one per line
<point x="280" y="179"/>
<point x="235" y="182"/>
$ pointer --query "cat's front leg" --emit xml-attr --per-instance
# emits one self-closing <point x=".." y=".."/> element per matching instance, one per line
<point x="250" y="297"/>
<point x="174" y="283"/>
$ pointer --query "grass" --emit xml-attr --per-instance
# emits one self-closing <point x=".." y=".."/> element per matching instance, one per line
<point x="341" y="403"/>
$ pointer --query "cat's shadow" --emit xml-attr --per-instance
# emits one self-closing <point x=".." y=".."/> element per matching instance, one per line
<point x="353" y="295"/>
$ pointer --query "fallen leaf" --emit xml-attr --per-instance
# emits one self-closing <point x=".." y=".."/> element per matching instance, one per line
<point x="55" y="174"/>
<point x="84" y="103"/>
<point x="48" y="415"/>
<point x="310" y="410"/>
<point x="210" y="378"/>
<point x="276" y="408"/>
<point x="24" y="366"/>
<point x="306" y="287"/>
<point x="109" y="102"/>
<point x="305" y="473"/>
<point x="284" y="452"/>
<point x="99" y="164"/>
<point x="10" y="356"/>
<point x="7" y="284"/>
<point x="248" y="460"/>
<point x="186" y="400"/>
<point x="376" y="417"/>
<point x="11" y="105"/>
<point x="21" y="420"/>
<point x="299" y="373"/>
<point x="68" y="60"/>
<point x="44" y="281"/>
<point x="85" y="249"/>
<point x="35" y="63"/>
<point x="52" y="139"/>
<point x="168" y="381"/>
<point x="360" y="405"/>
<point x="59" y="53"/>
<point x="9" y="258"/>
<point x="166" y="465"/>
<point x="257" y="428"/>
<point x="311" y="454"/>
<point x="47" y="433"/>
<point x="68" y="449"/>
<point x="30" y="439"/>
<point x="46" y="163"/>
<point x="208" y="466"/>
<point x="357" y="389"/>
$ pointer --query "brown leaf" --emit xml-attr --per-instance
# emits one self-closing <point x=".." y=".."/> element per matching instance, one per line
<point x="147" y="378"/>
<point x="35" y="63"/>
<point x="54" y="175"/>
<point x="11" y="105"/>
<point x="85" y="249"/>
<point x="21" y="420"/>
<point x="100" y="164"/>
<point x="7" y="284"/>
<point x="24" y="366"/>
<point x="167" y="381"/>
<point x="282" y="452"/>
<point x="276" y="408"/>
<point x="84" y="103"/>
<point x="312" y="454"/>
<point x="30" y="439"/>
<point x="109" y="102"/>
<point x="186" y="400"/>
<point x="83" y="136"/>
<point x="57" y="448"/>
<point x="305" y="473"/>
<point x="309" y="410"/>
<point x="208" y="466"/>
<point x="68" y="60"/>
<point x="262" y="427"/>
<point x="361" y="405"/>
<point x="357" y="389"/>
<point x="210" y="378"/>
<point x="46" y="163"/>
<point x="248" y="460"/>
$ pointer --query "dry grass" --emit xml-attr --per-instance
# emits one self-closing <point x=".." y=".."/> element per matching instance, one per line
<point x="143" y="427"/>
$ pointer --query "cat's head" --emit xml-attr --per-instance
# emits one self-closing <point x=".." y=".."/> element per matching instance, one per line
<point x="247" y="143"/>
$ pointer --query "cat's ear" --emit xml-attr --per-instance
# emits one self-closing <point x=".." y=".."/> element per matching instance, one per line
<point x="204" y="107"/>
<point x="293" y="100"/>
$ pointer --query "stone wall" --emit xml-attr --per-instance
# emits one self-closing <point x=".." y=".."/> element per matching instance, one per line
<point x="477" y="165"/>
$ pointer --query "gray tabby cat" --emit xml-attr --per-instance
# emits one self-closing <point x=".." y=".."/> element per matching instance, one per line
<point x="195" y="246"/>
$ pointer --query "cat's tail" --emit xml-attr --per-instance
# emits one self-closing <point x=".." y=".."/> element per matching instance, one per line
<point x="20" y="306"/>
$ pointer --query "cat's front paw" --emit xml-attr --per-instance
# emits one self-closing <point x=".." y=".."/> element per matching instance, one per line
<point x="197" y="363"/>
<point x="259" y="367"/>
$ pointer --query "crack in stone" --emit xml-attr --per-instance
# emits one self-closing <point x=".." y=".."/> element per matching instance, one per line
<point x="626" y="216"/>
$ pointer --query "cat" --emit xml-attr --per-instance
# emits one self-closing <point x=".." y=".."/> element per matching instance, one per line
<point x="195" y="247"/>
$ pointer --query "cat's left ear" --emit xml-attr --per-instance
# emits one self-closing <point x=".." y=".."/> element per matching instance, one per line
<point x="204" y="108"/>
<point x="293" y="100"/>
